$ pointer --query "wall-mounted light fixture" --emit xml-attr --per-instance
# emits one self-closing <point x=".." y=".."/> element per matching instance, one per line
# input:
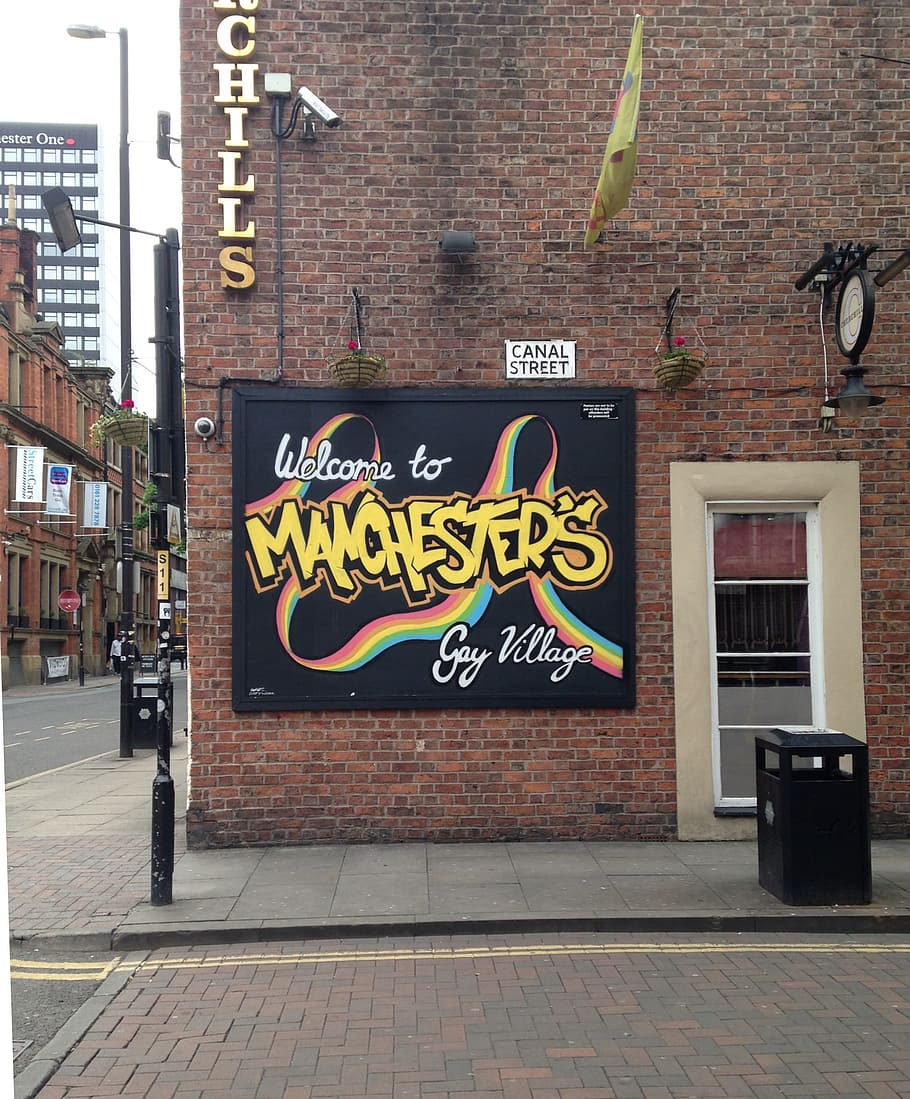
<point x="456" y="243"/>
<point x="854" y="398"/>
<point x="846" y="267"/>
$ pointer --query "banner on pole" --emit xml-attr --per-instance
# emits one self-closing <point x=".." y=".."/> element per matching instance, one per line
<point x="59" y="482"/>
<point x="29" y="469"/>
<point x="94" y="504"/>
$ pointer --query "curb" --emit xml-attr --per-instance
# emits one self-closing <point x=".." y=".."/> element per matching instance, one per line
<point x="842" y="923"/>
<point x="148" y="937"/>
<point x="80" y="941"/>
<point x="48" y="1059"/>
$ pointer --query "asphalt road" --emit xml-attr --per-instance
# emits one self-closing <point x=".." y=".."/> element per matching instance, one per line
<point x="67" y="723"/>
<point x="47" y="989"/>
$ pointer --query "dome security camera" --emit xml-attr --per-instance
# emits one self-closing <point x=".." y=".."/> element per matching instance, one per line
<point x="204" y="427"/>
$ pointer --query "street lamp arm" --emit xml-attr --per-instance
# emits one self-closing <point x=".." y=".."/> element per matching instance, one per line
<point x="63" y="218"/>
<point x="117" y="225"/>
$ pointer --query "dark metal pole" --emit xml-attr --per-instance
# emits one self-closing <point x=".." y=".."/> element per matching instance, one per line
<point x="81" y="592"/>
<point x="127" y="556"/>
<point x="168" y="468"/>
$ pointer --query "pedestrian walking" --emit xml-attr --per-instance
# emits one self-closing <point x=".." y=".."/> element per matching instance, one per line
<point x="116" y="652"/>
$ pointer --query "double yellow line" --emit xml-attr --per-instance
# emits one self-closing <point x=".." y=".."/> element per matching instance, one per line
<point x="61" y="971"/>
<point x="524" y="950"/>
<point x="98" y="971"/>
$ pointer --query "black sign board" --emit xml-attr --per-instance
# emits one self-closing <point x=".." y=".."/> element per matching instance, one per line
<point x="433" y="548"/>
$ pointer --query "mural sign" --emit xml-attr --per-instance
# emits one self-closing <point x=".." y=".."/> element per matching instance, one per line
<point x="433" y="549"/>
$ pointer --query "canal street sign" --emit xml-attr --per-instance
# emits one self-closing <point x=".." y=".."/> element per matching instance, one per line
<point x="536" y="360"/>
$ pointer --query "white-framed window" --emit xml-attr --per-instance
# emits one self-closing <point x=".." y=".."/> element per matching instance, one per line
<point x="765" y="629"/>
<point x="828" y="494"/>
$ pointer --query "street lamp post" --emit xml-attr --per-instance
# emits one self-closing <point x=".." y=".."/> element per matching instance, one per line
<point x="81" y="590"/>
<point x="127" y="555"/>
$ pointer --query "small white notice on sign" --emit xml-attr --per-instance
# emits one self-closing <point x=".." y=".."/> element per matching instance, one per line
<point x="532" y="359"/>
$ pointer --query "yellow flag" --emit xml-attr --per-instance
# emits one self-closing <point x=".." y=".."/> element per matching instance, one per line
<point x="618" y="167"/>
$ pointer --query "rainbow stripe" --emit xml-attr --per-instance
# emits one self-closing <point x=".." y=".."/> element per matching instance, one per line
<point x="287" y="490"/>
<point x="423" y="625"/>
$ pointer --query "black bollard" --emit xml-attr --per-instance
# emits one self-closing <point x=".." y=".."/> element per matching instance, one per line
<point x="163" y="803"/>
<point x="162" y="839"/>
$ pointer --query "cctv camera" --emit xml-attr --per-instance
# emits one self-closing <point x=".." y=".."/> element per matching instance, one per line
<point x="204" y="427"/>
<point x="315" y="106"/>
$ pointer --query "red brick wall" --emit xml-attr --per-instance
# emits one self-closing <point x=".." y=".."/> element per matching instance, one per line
<point x="764" y="134"/>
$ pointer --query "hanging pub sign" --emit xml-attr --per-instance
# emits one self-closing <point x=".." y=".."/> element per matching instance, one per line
<point x="433" y="549"/>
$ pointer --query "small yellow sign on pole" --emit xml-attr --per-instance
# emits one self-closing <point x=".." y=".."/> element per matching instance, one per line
<point x="164" y="574"/>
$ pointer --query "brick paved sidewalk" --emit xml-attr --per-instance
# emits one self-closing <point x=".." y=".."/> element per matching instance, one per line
<point x="79" y="845"/>
<point x="524" y="1017"/>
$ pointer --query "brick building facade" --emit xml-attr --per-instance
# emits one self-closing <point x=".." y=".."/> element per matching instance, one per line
<point x="766" y="568"/>
<point x="49" y="400"/>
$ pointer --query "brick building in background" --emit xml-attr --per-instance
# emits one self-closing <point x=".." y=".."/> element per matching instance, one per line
<point x="457" y="605"/>
<point x="50" y="401"/>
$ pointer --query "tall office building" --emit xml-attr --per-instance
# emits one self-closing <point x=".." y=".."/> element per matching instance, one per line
<point x="33" y="158"/>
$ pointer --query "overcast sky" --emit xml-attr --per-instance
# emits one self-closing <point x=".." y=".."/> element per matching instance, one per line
<point x="47" y="76"/>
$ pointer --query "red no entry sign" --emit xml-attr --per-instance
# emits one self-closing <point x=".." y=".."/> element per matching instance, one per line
<point x="69" y="600"/>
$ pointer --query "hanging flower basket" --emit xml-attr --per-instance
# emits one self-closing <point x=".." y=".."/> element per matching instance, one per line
<point x="357" y="367"/>
<point x="124" y="426"/>
<point x="675" y="369"/>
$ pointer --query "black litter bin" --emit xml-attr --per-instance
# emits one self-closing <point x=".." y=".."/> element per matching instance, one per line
<point x="145" y="712"/>
<point x="813" y="817"/>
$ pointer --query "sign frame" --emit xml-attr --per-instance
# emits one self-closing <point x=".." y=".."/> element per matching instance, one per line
<point x="588" y="462"/>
